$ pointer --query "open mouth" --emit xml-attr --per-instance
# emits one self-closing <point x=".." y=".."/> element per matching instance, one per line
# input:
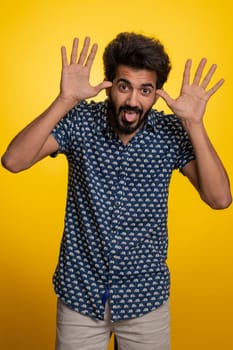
<point x="130" y="116"/>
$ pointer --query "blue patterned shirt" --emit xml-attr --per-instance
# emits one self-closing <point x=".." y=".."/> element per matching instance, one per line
<point x="115" y="241"/>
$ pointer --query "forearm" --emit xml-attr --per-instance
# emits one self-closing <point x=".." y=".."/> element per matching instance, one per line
<point x="212" y="179"/>
<point x="24" y="149"/>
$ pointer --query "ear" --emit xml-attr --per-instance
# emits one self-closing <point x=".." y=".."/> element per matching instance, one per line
<point x="156" y="98"/>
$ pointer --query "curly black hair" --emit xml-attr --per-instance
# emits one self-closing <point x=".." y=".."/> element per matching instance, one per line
<point x="136" y="51"/>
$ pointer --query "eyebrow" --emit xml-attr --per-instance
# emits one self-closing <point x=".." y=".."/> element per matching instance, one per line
<point x="128" y="82"/>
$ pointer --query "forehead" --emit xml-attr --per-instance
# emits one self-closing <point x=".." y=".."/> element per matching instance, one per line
<point x="136" y="76"/>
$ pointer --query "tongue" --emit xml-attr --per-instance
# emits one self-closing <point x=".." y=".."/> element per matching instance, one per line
<point x="130" y="117"/>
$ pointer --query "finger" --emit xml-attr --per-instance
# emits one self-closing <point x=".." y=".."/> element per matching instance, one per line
<point x="186" y="74"/>
<point x="91" y="56"/>
<point x="164" y="95"/>
<point x="103" y="85"/>
<point x="208" y="76"/>
<point x="84" y="51"/>
<point x="74" y="52"/>
<point x="199" y="71"/>
<point x="211" y="91"/>
<point x="64" y="57"/>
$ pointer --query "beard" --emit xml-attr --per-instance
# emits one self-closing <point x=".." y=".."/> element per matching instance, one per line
<point x="120" y="124"/>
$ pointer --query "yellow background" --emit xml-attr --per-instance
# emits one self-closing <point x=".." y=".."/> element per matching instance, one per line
<point x="32" y="203"/>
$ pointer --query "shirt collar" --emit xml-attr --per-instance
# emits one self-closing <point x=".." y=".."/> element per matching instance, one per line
<point x="101" y="117"/>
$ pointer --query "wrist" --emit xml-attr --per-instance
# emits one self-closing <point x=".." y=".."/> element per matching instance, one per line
<point x="192" y="126"/>
<point x="66" y="102"/>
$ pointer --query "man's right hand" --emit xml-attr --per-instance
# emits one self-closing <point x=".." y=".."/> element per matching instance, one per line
<point x="75" y="85"/>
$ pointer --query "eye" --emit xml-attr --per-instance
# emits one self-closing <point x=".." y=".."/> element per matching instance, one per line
<point x="123" y="87"/>
<point x="146" y="91"/>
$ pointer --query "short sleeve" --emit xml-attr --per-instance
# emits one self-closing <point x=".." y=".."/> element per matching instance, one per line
<point x="63" y="132"/>
<point x="185" y="152"/>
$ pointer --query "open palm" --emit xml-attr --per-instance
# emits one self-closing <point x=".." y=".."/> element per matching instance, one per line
<point x="191" y="103"/>
<point x="75" y="79"/>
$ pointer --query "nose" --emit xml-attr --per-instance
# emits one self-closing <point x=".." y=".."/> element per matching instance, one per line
<point x="132" y="98"/>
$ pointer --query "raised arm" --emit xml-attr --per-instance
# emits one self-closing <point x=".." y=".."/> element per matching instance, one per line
<point x="35" y="141"/>
<point x="206" y="172"/>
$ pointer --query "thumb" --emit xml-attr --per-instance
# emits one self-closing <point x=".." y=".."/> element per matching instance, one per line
<point x="165" y="96"/>
<point x="103" y="85"/>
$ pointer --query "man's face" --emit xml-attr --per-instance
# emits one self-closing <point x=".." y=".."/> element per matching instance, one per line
<point x="131" y="97"/>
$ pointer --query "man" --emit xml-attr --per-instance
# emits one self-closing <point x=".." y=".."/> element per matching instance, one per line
<point x="112" y="273"/>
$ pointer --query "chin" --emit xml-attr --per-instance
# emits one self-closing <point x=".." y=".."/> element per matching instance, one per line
<point x="130" y="128"/>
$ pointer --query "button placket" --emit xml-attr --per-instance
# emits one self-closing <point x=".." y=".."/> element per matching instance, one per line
<point x="120" y="190"/>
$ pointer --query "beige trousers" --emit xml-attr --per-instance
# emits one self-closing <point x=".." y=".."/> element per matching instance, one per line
<point x="79" y="332"/>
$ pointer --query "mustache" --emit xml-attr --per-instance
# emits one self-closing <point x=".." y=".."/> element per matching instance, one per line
<point x="130" y="109"/>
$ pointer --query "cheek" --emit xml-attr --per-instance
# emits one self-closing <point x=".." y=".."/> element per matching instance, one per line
<point x="147" y="105"/>
<point x="117" y="100"/>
